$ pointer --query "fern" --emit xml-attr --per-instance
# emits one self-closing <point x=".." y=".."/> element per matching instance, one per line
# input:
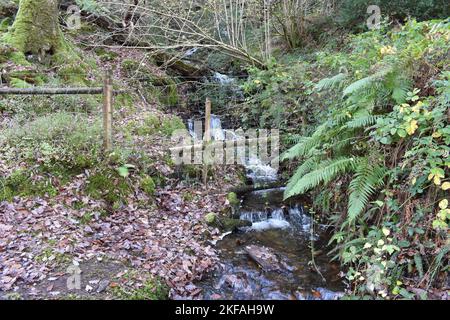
<point x="305" y="145"/>
<point x="364" y="184"/>
<point x="331" y="83"/>
<point x="325" y="172"/>
<point x="303" y="169"/>
<point x="362" y="121"/>
<point x="369" y="82"/>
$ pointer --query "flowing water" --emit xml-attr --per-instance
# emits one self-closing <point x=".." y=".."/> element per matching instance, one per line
<point x="271" y="259"/>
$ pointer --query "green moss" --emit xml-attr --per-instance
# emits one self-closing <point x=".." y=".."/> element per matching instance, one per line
<point x="233" y="199"/>
<point x="153" y="289"/>
<point x="19" y="183"/>
<point x="210" y="218"/>
<point x="18" y="58"/>
<point x="225" y="224"/>
<point x="129" y="65"/>
<point x="18" y="83"/>
<point x="5" y="23"/>
<point x="105" y="55"/>
<point x="47" y="253"/>
<point x="168" y="126"/>
<point x="148" y="185"/>
<point x="109" y="186"/>
<point x="35" y="29"/>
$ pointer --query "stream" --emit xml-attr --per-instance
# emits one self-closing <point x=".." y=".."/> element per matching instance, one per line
<point x="271" y="259"/>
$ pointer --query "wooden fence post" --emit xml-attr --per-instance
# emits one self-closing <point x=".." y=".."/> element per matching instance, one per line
<point x="107" y="110"/>
<point x="207" y="139"/>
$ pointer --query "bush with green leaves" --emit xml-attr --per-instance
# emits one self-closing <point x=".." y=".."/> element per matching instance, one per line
<point x="354" y="12"/>
<point x="387" y="142"/>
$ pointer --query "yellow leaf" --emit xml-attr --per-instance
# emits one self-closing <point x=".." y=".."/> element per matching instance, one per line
<point x="386" y="231"/>
<point x="436" y="135"/>
<point x="437" y="180"/>
<point x="446" y="186"/>
<point x="412" y="127"/>
<point x="413" y="181"/>
<point x="443" y="204"/>
<point x="416" y="108"/>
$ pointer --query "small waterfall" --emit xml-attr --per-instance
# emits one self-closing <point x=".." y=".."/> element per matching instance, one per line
<point x="222" y="78"/>
<point x="191" y="129"/>
<point x="259" y="172"/>
<point x="190" y="52"/>
<point x="217" y="132"/>
<point x="300" y="219"/>
<point x="273" y="219"/>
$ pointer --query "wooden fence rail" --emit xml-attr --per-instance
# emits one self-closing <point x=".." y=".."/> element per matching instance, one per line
<point x="107" y="92"/>
<point x="50" y="91"/>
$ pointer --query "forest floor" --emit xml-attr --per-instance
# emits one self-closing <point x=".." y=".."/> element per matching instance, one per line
<point x="150" y="247"/>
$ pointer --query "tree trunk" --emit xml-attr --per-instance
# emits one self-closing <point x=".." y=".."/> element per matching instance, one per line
<point x="36" y="28"/>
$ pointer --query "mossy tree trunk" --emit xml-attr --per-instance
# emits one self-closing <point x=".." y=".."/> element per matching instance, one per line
<point x="36" y="28"/>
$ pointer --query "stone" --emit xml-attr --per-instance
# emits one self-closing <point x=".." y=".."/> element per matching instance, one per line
<point x="102" y="285"/>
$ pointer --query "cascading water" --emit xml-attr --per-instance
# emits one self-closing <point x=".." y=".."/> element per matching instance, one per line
<point x="281" y="234"/>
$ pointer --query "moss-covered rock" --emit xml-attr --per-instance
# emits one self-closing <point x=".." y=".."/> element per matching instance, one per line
<point x="224" y="223"/>
<point x="211" y="218"/>
<point x="233" y="199"/>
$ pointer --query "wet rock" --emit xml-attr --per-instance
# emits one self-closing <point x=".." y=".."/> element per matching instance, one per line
<point x="326" y="294"/>
<point x="264" y="257"/>
<point x="229" y="224"/>
<point x="102" y="286"/>
<point x="225" y="224"/>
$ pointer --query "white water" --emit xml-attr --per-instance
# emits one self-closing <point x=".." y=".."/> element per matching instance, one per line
<point x="276" y="219"/>
<point x="222" y="78"/>
<point x="261" y="174"/>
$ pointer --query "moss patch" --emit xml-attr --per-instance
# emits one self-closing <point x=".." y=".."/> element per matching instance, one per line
<point x="109" y="186"/>
<point x="35" y="29"/>
<point x="20" y="183"/>
<point x="153" y="289"/>
<point x="148" y="185"/>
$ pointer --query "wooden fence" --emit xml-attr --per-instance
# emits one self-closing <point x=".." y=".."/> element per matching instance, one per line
<point x="107" y="92"/>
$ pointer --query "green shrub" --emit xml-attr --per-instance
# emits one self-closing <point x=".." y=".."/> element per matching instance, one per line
<point x="354" y="12"/>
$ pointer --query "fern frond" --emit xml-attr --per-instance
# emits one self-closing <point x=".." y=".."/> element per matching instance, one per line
<point x="331" y="83"/>
<point x="364" y="184"/>
<point x="362" y="121"/>
<point x="303" y="169"/>
<point x="367" y="82"/>
<point x="324" y="172"/>
<point x="305" y="145"/>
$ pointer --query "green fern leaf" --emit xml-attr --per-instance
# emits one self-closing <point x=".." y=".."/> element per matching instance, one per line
<point x="362" y="121"/>
<point x="324" y="172"/>
<point x="331" y="83"/>
<point x="364" y="184"/>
